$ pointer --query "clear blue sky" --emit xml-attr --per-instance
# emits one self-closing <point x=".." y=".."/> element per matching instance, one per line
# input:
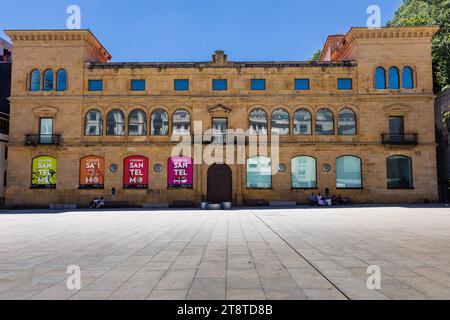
<point x="190" y="30"/>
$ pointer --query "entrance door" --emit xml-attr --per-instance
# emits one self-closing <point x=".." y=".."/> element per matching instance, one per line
<point x="220" y="183"/>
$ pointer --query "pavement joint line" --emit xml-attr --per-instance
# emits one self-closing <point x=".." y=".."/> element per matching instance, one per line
<point x="298" y="252"/>
<point x="173" y="262"/>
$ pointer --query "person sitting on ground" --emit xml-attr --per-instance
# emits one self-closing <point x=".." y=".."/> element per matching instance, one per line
<point x="340" y="201"/>
<point x="321" y="200"/>
<point x="328" y="201"/>
<point x="313" y="200"/>
<point x="94" y="203"/>
<point x="101" y="203"/>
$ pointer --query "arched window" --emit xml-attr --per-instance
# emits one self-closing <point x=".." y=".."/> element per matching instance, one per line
<point x="115" y="123"/>
<point x="61" y="80"/>
<point x="348" y="173"/>
<point x="302" y="122"/>
<point x="35" y="81"/>
<point x="48" y="80"/>
<point x="137" y="123"/>
<point x="304" y="173"/>
<point x="394" y="79"/>
<point x="94" y="123"/>
<point x="324" y="122"/>
<point x="380" y="78"/>
<point x="259" y="173"/>
<point x="159" y="123"/>
<point x="181" y="123"/>
<point x="399" y="172"/>
<point x="408" y="78"/>
<point x="280" y="122"/>
<point x="258" y="122"/>
<point x="347" y="123"/>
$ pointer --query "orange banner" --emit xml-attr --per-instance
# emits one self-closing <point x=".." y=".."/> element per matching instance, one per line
<point x="92" y="173"/>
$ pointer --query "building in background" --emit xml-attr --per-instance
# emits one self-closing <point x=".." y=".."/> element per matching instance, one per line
<point x="356" y="123"/>
<point x="443" y="139"/>
<point x="5" y="90"/>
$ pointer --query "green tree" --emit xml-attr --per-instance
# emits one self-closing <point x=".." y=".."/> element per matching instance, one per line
<point x="315" y="56"/>
<point x="430" y="12"/>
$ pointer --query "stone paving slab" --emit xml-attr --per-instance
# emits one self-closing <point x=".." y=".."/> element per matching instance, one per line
<point x="279" y="254"/>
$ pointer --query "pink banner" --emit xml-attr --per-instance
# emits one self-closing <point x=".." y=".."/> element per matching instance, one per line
<point x="180" y="172"/>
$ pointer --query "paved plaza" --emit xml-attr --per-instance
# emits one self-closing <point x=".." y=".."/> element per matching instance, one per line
<point x="242" y="254"/>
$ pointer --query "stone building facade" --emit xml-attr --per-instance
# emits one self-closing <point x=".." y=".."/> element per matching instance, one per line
<point x="5" y="91"/>
<point x="443" y="139"/>
<point x="358" y="123"/>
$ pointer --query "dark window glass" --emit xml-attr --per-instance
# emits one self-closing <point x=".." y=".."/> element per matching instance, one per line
<point x="259" y="173"/>
<point x="348" y="172"/>
<point x="258" y="84"/>
<point x="302" y="122"/>
<point x="324" y="122"/>
<point x="258" y="123"/>
<point x="408" y="79"/>
<point x="345" y="84"/>
<point x="396" y="129"/>
<point x="380" y="79"/>
<point x="181" y="123"/>
<point x="304" y="173"/>
<point x="94" y="123"/>
<point x="347" y="122"/>
<point x="5" y="179"/>
<point x="95" y="85"/>
<point x="219" y="85"/>
<point x="35" y="82"/>
<point x="137" y="123"/>
<point x="159" y="123"/>
<point x="48" y="80"/>
<point x="181" y="85"/>
<point x="61" y="80"/>
<point x="280" y="122"/>
<point x="394" y="79"/>
<point x="301" y="84"/>
<point x="399" y="170"/>
<point x="115" y="123"/>
<point x="137" y="85"/>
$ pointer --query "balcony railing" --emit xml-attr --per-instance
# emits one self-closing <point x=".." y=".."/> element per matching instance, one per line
<point x="408" y="139"/>
<point x="42" y="139"/>
<point x="223" y="139"/>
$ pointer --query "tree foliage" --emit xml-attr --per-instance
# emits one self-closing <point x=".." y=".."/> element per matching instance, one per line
<point x="430" y="12"/>
<point x="316" y="56"/>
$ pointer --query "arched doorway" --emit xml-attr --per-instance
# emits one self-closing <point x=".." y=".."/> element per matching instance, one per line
<point x="220" y="183"/>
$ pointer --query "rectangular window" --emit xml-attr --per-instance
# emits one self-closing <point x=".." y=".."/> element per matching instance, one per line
<point x="301" y="84"/>
<point x="259" y="173"/>
<point x="258" y="84"/>
<point x="345" y="84"/>
<point x="46" y="130"/>
<point x="219" y="85"/>
<point x="137" y="85"/>
<point x="95" y="85"/>
<point x="181" y="85"/>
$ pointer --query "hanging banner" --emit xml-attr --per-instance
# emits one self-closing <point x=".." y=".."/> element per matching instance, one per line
<point x="135" y="174"/>
<point x="180" y="172"/>
<point x="43" y="173"/>
<point x="92" y="173"/>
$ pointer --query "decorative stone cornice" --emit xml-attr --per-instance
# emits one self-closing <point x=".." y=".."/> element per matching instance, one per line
<point x="426" y="32"/>
<point x="33" y="37"/>
<point x="220" y="108"/>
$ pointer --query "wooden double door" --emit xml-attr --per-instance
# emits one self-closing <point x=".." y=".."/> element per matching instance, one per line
<point x="220" y="183"/>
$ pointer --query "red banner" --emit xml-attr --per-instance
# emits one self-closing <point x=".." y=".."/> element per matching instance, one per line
<point x="135" y="174"/>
